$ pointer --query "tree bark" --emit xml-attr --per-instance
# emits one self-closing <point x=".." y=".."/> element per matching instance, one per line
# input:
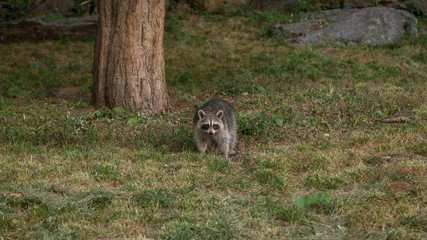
<point x="129" y="66"/>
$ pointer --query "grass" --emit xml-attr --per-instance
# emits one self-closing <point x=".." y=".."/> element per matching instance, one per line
<point x="310" y="121"/>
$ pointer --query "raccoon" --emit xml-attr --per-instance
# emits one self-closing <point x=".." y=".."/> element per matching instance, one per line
<point x="215" y="124"/>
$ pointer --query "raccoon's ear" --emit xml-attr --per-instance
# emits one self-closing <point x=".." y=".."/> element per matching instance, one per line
<point x="219" y="114"/>
<point x="201" y="114"/>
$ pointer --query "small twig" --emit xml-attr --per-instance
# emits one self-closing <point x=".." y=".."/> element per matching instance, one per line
<point x="85" y="2"/>
<point x="397" y="120"/>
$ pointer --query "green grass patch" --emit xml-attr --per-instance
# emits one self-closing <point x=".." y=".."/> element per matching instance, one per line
<point x="312" y="119"/>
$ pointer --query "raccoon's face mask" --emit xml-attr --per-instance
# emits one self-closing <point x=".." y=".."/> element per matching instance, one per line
<point x="210" y="123"/>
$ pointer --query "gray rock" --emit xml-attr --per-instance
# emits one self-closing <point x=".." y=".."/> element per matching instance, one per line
<point x="295" y="30"/>
<point x="79" y="28"/>
<point x="368" y="25"/>
<point x="312" y="21"/>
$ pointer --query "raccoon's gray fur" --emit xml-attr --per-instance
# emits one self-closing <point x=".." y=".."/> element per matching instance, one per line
<point x="215" y="123"/>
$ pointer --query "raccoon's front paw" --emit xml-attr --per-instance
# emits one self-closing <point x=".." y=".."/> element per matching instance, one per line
<point x="233" y="153"/>
<point x="202" y="146"/>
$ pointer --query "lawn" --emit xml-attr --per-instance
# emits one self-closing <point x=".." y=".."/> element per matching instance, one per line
<point x="312" y="120"/>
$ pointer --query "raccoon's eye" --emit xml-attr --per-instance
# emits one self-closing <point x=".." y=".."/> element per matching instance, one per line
<point x="215" y="126"/>
<point x="205" y="126"/>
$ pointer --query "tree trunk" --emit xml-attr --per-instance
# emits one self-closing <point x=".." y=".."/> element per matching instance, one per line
<point x="129" y="66"/>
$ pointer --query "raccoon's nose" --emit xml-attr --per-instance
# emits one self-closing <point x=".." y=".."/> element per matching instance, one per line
<point x="210" y="133"/>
